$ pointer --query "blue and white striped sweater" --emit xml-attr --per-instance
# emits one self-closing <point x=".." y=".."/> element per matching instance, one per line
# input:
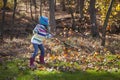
<point x="40" y="34"/>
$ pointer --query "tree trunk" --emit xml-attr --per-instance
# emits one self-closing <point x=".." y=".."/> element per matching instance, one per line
<point x="31" y="10"/>
<point x="77" y="6"/>
<point x="52" y="15"/>
<point x="94" y="28"/>
<point x="81" y="9"/>
<point x="72" y="15"/>
<point x="105" y="23"/>
<point x="3" y="20"/>
<point x="73" y="19"/>
<point x="15" y="4"/>
<point x="55" y="5"/>
<point x="35" y="10"/>
<point x="63" y="5"/>
<point x="40" y="7"/>
<point x="26" y="3"/>
<point x="3" y="12"/>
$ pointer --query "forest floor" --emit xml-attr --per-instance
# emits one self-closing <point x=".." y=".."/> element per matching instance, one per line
<point x="69" y="55"/>
<point x="68" y="58"/>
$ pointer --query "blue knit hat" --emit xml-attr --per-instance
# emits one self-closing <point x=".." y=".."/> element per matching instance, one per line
<point x="44" y="20"/>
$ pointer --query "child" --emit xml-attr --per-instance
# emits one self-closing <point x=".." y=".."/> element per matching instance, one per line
<point x="40" y="33"/>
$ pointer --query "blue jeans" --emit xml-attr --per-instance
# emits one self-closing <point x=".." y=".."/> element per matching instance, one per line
<point x="36" y="47"/>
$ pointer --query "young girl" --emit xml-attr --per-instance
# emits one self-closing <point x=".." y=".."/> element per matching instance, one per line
<point x="40" y="33"/>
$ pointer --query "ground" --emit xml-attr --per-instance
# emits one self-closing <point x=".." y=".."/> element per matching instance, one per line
<point x="78" y="56"/>
<point x="69" y="54"/>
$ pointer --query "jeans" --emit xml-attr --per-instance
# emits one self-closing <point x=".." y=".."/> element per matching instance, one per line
<point x="36" y="47"/>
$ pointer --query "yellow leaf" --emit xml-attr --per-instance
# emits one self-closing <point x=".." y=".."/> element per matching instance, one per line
<point x="118" y="7"/>
<point x="30" y="47"/>
<point x="105" y="49"/>
<point x="95" y="54"/>
<point x="52" y="57"/>
<point x="65" y="55"/>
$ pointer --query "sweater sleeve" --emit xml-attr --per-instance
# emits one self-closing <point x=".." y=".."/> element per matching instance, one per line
<point x="35" y="30"/>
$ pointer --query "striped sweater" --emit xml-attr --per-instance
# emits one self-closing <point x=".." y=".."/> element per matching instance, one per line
<point x="40" y="34"/>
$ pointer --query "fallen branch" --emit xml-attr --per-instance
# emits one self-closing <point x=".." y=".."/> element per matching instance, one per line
<point x="85" y="48"/>
<point x="6" y="54"/>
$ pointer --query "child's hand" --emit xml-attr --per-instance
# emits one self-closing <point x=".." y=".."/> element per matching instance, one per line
<point x="49" y="36"/>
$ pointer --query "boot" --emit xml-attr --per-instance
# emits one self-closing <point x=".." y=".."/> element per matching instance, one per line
<point x="32" y="62"/>
<point x="42" y="60"/>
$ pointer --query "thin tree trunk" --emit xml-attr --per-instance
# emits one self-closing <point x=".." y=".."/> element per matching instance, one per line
<point x="35" y="10"/>
<point x="63" y="5"/>
<point x="26" y="3"/>
<point x="105" y="23"/>
<point x="72" y="16"/>
<point x="3" y="11"/>
<point x="77" y="6"/>
<point x="40" y="7"/>
<point x="81" y="9"/>
<point x="73" y="19"/>
<point x="3" y="20"/>
<point x="31" y="10"/>
<point x="52" y="15"/>
<point x="15" y="4"/>
<point x="94" y="28"/>
<point x="55" y="4"/>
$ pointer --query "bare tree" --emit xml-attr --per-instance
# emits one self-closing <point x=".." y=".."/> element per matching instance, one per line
<point x="81" y="8"/>
<point x="35" y="8"/>
<point x="105" y="22"/>
<point x="31" y="10"/>
<point x="63" y="5"/>
<point x="94" y="28"/>
<point x="71" y="11"/>
<point x="15" y="4"/>
<point x="55" y="4"/>
<point x="52" y="15"/>
<point x="40" y="7"/>
<point x="3" y="20"/>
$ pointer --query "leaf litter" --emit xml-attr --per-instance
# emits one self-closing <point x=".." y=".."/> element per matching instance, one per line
<point x="67" y="53"/>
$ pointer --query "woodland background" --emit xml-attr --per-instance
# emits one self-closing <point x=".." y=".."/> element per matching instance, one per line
<point x="86" y="41"/>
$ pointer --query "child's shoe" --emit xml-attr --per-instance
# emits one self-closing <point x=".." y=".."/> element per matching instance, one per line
<point x="32" y="63"/>
<point x="42" y="60"/>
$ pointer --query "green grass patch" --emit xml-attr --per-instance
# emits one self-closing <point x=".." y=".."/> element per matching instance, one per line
<point x="18" y="70"/>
